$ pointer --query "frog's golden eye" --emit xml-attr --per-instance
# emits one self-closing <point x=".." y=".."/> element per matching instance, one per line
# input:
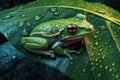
<point x="72" y="28"/>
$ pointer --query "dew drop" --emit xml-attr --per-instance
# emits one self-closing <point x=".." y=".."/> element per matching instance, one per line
<point x="84" y="70"/>
<point x="9" y="16"/>
<point x="96" y="43"/>
<point x="21" y="24"/>
<point x="95" y="36"/>
<point x="25" y="32"/>
<point x="38" y="17"/>
<point x="29" y="24"/>
<point x="53" y="9"/>
<point x="100" y="66"/>
<point x="110" y="70"/>
<point x="116" y="76"/>
<point x="106" y="67"/>
<point x="23" y="15"/>
<point x="99" y="75"/>
<point x="113" y="64"/>
<point x="100" y="11"/>
<point x="101" y="49"/>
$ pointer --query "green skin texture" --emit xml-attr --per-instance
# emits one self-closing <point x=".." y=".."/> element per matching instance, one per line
<point x="49" y="29"/>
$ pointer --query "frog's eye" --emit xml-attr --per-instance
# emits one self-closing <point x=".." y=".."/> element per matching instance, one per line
<point x="72" y="28"/>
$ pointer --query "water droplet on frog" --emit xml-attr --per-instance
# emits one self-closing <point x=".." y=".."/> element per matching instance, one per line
<point x="21" y="24"/>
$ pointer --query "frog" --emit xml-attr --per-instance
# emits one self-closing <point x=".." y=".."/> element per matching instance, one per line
<point x="51" y="38"/>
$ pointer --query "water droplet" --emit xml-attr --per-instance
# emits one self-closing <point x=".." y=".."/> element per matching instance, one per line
<point x="99" y="75"/>
<point x="38" y="17"/>
<point x="29" y="24"/>
<point x="96" y="43"/>
<point x="9" y="32"/>
<point x="9" y="16"/>
<point x="25" y="32"/>
<point x="13" y="57"/>
<point x="53" y="9"/>
<point x="95" y="36"/>
<point x="4" y="55"/>
<point x="106" y="67"/>
<point x="21" y="24"/>
<point x="110" y="70"/>
<point x="56" y="13"/>
<point x="113" y="64"/>
<point x="101" y="49"/>
<point x="103" y="57"/>
<point x="101" y="11"/>
<point x="84" y="70"/>
<point x="116" y="76"/>
<point x="96" y="60"/>
<point x="100" y="66"/>
<point x="23" y="15"/>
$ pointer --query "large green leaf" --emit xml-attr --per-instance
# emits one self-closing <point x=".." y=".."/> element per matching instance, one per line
<point x="99" y="58"/>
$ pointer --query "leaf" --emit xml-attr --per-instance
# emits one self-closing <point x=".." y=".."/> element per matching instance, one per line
<point x="91" y="63"/>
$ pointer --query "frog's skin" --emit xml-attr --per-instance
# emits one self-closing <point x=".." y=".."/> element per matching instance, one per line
<point x="53" y="35"/>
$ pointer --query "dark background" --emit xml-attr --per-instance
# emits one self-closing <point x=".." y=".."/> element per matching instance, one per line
<point x="4" y="4"/>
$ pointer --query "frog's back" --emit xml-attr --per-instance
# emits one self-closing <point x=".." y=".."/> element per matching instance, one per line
<point x="49" y="29"/>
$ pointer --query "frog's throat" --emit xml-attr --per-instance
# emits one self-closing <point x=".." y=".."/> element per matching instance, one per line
<point x="77" y="38"/>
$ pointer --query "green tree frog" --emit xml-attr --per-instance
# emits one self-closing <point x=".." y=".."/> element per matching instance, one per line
<point x="50" y="38"/>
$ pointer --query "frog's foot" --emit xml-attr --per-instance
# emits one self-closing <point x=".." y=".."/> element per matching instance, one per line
<point x="60" y="51"/>
<point x="68" y="52"/>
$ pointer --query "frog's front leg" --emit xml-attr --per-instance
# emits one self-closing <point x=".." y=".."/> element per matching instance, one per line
<point x="57" y="48"/>
<point x="36" y="45"/>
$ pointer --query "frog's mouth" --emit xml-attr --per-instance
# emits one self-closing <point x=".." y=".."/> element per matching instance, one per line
<point x="73" y="40"/>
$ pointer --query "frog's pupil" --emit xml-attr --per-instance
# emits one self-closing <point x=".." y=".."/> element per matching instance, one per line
<point x="72" y="28"/>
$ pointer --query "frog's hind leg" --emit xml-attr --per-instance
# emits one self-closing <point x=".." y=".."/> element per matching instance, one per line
<point x="44" y="53"/>
<point x="36" y="45"/>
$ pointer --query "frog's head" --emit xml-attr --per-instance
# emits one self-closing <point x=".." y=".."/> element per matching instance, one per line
<point x="77" y="28"/>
